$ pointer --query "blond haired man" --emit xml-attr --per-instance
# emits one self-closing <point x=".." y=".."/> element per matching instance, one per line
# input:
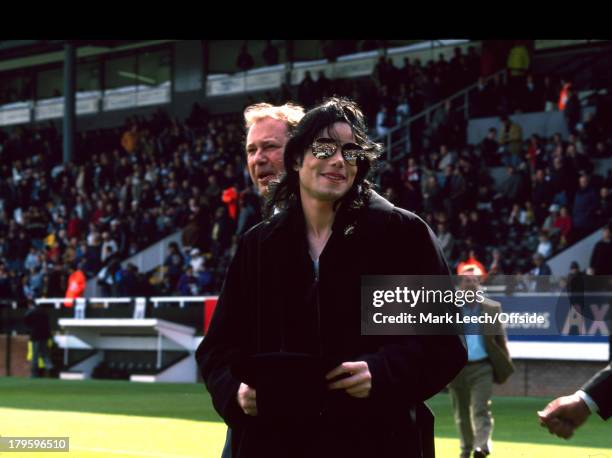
<point x="268" y="129"/>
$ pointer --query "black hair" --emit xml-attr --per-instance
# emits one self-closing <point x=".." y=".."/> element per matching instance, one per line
<point x="284" y="193"/>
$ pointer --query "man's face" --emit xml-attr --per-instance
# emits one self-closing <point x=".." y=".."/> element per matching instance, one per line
<point x="328" y="179"/>
<point x="265" y="146"/>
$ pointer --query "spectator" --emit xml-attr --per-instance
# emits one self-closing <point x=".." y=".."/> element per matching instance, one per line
<point x="37" y="320"/>
<point x="584" y="210"/>
<point x="541" y="196"/>
<point x="76" y="284"/>
<point x="564" y="94"/>
<point x="563" y="223"/>
<point x="545" y="246"/>
<point x="130" y="139"/>
<point x="322" y="87"/>
<point x="384" y="121"/>
<point x="270" y="54"/>
<point x="188" y="283"/>
<point x="602" y="254"/>
<point x="512" y="189"/>
<point x="489" y="148"/>
<point x="530" y="96"/>
<point x="542" y="273"/>
<point x="604" y="212"/>
<point x="510" y="139"/>
<point x="551" y="94"/>
<point x="572" y="111"/>
<point x="109" y="247"/>
<point x="244" y="61"/>
<point x="173" y="265"/>
<point x="307" y="91"/>
<point x="471" y="263"/>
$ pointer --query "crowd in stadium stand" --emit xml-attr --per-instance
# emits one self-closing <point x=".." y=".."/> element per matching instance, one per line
<point x="131" y="186"/>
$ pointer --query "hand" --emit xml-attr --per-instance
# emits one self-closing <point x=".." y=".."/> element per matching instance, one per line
<point x="246" y="399"/>
<point x="359" y="382"/>
<point x="564" y="415"/>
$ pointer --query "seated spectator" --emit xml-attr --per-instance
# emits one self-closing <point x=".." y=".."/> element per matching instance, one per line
<point x="527" y="216"/>
<point x="545" y="247"/>
<point x="188" y="283"/>
<point x="489" y="148"/>
<point x="563" y="223"/>
<point x="549" y="221"/>
<point x="542" y="273"/>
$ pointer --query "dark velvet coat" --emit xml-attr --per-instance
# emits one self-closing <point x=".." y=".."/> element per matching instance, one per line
<point x="266" y="305"/>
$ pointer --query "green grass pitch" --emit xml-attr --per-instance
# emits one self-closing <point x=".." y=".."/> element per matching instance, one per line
<point x="123" y="419"/>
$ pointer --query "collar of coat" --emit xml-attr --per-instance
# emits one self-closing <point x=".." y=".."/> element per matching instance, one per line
<point x="345" y="222"/>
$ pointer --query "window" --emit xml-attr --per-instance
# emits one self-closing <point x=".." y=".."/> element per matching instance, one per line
<point x="121" y="72"/>
<point x="16" y="87"/>
<point x="88" y="76"/>
<point x="154" y="67"/>
<point x="50" y="83"/>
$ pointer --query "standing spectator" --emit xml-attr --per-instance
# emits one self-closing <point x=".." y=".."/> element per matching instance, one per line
<point x="479" y="100"/>
<point x="37" y="319"/>
<point x="244" y="61"/>
<point x="270" y="53"/>
<point x="76" y="284"/>
<point x="307" y="91"/>
<point x="572" y="111"/>
<point x="432" y="195"/>
<point x="585" y="208"/>
<point x="541" y="196"/>
<point x="380" y="73"/>
<point x="510" y="138"/>
<point x="173" y="265"/>
<point x="604" y="212"/>
<point x="322" y="87"/>
<point x="550" y="94"/>
<point x="564" y="94"/>
<point x="530" y="96"/>
<point x="601" y="255"/>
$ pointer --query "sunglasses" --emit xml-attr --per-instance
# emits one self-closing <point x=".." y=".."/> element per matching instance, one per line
<point x="324" y="148"/>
